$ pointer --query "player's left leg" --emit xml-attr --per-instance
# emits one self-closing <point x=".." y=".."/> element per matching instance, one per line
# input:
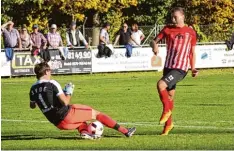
<point x="109" y="122"/>
<point x="169" y="123"/>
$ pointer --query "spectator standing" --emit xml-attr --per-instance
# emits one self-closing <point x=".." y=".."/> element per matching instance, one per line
<point x="54" y="38"/>
<point x="11" y="39"/>
<point x="25" y="38"/>
<point x="74" y="36"/>
<point x="137" y="36"/>
<point x="124" y="36"/>
<point x="103" y="50"/>
<point x="11" y="36"/>
<point x="38" y="39"/>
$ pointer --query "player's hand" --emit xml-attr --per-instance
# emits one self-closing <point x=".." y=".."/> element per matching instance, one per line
<point x="194" y="72"/>
<point x="69" y="88"/>
<point x="154" y="47"/>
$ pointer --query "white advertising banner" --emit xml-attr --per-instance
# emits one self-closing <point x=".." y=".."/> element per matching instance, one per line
<point x="214" y="56"/>
<point x="142" y="59"/>
<point x="5" y="65"/>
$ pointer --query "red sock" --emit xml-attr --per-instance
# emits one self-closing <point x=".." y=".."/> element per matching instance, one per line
<point x="109" y="122"/>
<point x="83" y="127"/>
<point x="169" y="121"/>
<point x="164" y="97"/>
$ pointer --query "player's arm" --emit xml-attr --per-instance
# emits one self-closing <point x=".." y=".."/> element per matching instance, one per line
<point x="154" y="45"/>
<point x="192" y="56"/>
<point x="64" y="99"/>
<point x="156" y="40"/>
<point x="32" y="104"/>
<point x="64" y="95"/>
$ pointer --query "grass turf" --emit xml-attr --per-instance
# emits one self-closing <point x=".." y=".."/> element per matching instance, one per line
<point x="203" y="113"/>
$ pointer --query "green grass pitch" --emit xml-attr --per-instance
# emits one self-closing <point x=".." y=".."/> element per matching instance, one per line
<point x="203" y="114"/>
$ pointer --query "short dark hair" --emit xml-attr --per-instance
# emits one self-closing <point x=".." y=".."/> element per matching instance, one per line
<point x="175" y="9"/>
<point x="106" y="24"/>
<point x="40" y="69"/>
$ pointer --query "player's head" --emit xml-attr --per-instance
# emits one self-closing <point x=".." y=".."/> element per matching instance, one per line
<point x="106" y="25"/>
<point x="73" y="25"/>
<point x="125" y="26"/>
<point x="177" y="15"/>
<point x="42" y="70"/>
<point x="135" y="27"/>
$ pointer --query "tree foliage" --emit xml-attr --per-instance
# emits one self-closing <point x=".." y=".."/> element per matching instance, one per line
<point x="219" y="14"/>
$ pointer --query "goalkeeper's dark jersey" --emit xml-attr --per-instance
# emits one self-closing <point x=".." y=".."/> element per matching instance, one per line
<point x="45" y="93"/>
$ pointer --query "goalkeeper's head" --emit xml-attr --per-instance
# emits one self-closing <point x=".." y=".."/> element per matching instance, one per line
<point x="42" y="71"/>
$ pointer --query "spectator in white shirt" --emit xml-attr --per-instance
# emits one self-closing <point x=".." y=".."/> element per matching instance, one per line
<point x="137" y="36"/>
<point x="74" y="36"/>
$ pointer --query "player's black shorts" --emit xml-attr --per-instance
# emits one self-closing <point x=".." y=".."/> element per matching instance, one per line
<point x="172" y="76"/>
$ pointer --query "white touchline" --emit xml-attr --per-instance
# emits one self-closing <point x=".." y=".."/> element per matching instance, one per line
<point x="155" y="124"/>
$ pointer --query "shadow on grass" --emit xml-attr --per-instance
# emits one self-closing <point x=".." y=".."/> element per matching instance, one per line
<point x="186" y="85"/>
<point x="181" y="131"/>
<point x="217" y="104"/>
<point x="35" y="137"/>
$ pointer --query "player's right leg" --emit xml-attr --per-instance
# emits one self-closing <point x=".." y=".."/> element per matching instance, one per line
<point x="79" y="114"/>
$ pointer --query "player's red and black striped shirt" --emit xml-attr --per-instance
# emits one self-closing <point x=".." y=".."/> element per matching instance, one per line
<point x="179" y="42"/>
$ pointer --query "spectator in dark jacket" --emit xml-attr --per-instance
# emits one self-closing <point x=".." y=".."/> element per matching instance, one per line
<point x="74" y="36"/>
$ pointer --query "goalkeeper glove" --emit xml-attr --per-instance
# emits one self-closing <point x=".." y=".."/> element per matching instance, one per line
<point x="69" y="88"/>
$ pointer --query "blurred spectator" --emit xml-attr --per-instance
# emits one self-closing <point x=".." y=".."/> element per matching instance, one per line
<point x="74" y="36"/>
<point x="54" y="38"/>
<point x="38" y="39"/>
<point x="11" y="39"/>
<point x="137" y="36"/>
<point x="230" y="43"/>
<point x="124" y="35"/>
<point x="11" y="36"/>
<point x="104" y="36"/>
<point x="25" y="38"/>
<point x="103" y="50"/>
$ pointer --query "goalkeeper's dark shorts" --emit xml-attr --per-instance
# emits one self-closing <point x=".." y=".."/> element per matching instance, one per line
<point x="172" y="76"/>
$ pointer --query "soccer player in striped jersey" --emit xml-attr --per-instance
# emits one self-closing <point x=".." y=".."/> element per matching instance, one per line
<point x="54" y="103"/>
<point x="180" y="43"/>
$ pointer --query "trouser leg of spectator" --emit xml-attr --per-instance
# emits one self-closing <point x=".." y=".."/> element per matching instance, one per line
<point x="9" y="53"/>
<point x="108" y="52"/>
<point x="12" y="54"/>
<point x="128" y="50"/>
<point x="100" y="50"/>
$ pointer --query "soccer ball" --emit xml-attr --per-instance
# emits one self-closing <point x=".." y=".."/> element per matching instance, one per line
<point x="96" y="128"/>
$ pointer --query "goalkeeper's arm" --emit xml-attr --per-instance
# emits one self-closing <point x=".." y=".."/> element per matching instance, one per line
<point x="65" y="97"/>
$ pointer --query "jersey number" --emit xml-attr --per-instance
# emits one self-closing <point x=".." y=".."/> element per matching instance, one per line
<point x="42" y="101"/>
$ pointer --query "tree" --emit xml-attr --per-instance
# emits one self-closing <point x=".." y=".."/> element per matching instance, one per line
<point x="98" y="8"/>
<point x="218" y="14"/>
